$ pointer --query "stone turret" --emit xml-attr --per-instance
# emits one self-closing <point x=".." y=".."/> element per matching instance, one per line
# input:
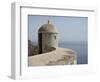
<point x="47" y="37"/>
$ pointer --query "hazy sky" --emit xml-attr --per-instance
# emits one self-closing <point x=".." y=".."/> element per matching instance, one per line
<point x="69" y="28"/>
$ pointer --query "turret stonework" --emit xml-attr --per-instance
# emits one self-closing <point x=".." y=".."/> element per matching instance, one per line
<point x="47" y="38"/>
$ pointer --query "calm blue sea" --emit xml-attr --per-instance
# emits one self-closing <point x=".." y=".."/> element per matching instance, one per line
<point x="80" y="47"/>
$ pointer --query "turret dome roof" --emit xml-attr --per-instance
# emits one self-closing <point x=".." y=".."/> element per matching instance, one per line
<point x="47" y="28"/>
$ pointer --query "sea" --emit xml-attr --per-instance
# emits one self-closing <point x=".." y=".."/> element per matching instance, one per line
<point x="80" y="47"/>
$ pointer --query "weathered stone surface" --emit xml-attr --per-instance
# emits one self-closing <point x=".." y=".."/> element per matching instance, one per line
<point x="60" y="56"/>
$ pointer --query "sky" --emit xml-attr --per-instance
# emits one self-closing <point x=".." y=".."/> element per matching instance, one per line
<point x="71" y="29"/>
